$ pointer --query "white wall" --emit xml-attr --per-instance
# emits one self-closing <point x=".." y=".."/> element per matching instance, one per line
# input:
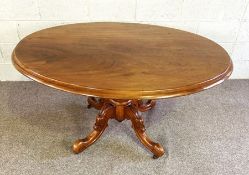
<point x="224" y="21"/>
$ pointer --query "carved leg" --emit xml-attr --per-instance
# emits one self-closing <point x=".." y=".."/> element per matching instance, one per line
<point x="100" y="125"/>
<point x="119" y="110"/>
<point x="96" y="103"/>
<point x="138" y="126"/>
<point x="143" y="107"/>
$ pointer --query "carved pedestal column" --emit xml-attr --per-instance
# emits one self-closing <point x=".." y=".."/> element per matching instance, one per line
<point x="119" y="110"/>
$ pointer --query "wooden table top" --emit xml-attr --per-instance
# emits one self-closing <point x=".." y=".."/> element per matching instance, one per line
<point x="122" y="61"/>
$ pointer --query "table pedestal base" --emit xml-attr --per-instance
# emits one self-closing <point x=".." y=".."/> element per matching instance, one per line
<point x="119" y="110"/>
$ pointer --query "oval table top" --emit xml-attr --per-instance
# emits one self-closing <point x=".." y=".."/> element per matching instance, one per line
<point x="122" y="60"/>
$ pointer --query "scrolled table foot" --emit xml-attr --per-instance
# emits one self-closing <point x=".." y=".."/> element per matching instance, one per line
<point x="81" y="144"/>
<point x="99" y="127"/>
<point x="139" y="128"/>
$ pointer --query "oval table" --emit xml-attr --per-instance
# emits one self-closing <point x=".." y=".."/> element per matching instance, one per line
<point x="122" y="68"/>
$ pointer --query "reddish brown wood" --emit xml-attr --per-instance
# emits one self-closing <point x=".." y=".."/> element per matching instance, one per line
<point x="123" y="64"/>
<point x="96" y="103"/>
<point x="99" y="127"/>
<point x="119" y="110"/>
<point x="138" y="126"/>
<point x="122" y="61"/>
<point x="145" y="106"/>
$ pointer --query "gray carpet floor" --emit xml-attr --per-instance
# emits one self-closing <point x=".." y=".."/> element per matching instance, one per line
<point x="204" y="133"/>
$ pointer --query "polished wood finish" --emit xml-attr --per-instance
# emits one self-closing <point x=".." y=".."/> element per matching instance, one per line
<point x="119" y="110"/>
<point x="122" y="61"/>
<point x="122" y="64"/>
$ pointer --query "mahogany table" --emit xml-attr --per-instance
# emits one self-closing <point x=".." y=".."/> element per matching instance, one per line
<point x="122" y="68"/>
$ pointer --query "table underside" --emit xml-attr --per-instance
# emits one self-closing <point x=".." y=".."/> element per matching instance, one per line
<point x="119" y="110"/>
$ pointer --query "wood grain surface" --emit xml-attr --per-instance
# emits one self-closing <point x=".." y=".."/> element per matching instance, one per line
<point x="122" y="60"/>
